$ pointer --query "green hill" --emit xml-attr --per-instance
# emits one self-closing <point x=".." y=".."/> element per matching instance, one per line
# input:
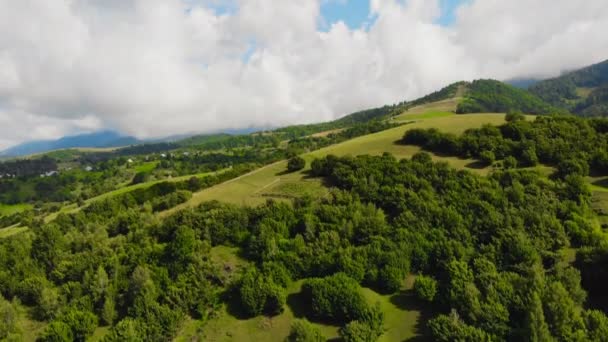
<point x="583" y="92"/>
<point x="491" y="96"/>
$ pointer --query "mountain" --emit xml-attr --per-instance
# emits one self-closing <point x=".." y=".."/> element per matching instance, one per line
<point x="583" y="92"/>
<point x="491" y="96"/>
<point x="96" y="139"/>
<point x="523" y="83"/>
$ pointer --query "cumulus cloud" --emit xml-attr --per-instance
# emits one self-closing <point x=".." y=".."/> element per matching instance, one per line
<point x="161" y="67"/>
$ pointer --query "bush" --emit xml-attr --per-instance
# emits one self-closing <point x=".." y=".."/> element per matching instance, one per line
<point x="259" y="294"/>
<point x="295" y="164"/>
<point x="513" y="116"/>
<point x="303" y="331"/>
<point x="126" y="330"/>
<point x="140" y="177"/>
<point x="368" y="328"/>
<point x="487" y="157"/>
<point x="336" y="298"/>
<point x="57" y="332"/>
<point x="510" y="163"/>
<point x="425" y="288"/>
<point x="81" y="323"/>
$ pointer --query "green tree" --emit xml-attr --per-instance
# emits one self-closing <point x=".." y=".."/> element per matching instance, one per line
<point x="126" y="330"/>
<point x="487" y="157"/>
<point x="8" y="319"/>
<point x="538" y="330"/>
<point x="57" y="332"/>
<point x="336" y="298"/>
<point x="425" y="288"/>
<point x="295" y="164"/>
<point x="303" y="331"/>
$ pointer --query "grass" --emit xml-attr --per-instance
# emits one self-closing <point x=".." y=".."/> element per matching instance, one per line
<point x="427" y="115"/>
<point x="10" y="231"/>
<point x="146" y="167"/>
<point x="272" y="182"/>
<point x="10" y="209"/>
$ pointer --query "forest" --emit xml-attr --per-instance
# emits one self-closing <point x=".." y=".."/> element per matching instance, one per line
<point x="490" y="96"/>
<point x="568" y="143"/>
<point x="487" y="252"/>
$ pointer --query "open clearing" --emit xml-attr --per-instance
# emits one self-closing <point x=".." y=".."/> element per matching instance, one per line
<point x="402" y="311"/>
<point x="10" y="209"/>
<point x="272" y="182"/>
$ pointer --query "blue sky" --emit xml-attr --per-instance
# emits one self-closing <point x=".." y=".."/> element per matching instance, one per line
<point x="355" y="13"/>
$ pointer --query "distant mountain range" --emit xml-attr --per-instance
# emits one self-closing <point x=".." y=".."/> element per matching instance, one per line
<point x="92" y="140"/>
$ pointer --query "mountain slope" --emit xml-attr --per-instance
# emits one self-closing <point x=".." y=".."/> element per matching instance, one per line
<point x="583" y="92"/>
<point x="491" y="96"/>
<point x="97" y="139"/>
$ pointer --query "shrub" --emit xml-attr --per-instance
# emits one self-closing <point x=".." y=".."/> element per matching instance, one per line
<point x="510" y="162"/>
<point x="425" y="288"/>
<point x="295" y="164"/>
<point x="487" y="157"/>
<point x="303" y="331"/>
<point x="336" y="298"/>
<point x="57" y="332"/>
<point x="126" y="330"/>
<point x="259" y="294"/>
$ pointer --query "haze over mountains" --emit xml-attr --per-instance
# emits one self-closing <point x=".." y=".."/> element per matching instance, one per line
<point x="96" y="139"/>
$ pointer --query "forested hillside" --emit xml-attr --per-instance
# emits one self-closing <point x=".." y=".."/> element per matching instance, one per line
<point x="584" y="92"/>
<point x="490" y="96"/>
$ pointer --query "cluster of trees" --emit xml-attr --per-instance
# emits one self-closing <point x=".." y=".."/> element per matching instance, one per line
<point x="490" y="96"/>
<point x="489" y="249"/>
<point x="27" y="167"/>
<point x="573" y="145"/>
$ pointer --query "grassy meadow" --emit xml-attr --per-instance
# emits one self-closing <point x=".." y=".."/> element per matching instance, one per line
<point x="273" y="182"/>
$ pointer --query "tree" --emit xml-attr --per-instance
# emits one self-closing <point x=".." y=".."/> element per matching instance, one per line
<point x="450" y="328"/>
<point x="303" y="331"/>
<point x="335" y="298"/>
<point x="514" y="116"/>
<point x="57" y="332"/>
<point x="357" y="331"/>
<point x="259" y="294"/>
<point x="487" y="157"/>
<point x="8" y="319"/>
<point x="510" y="162"/>
<point x="295" y="164"/>
<point x="425" y="288"/>
<point x="538" y="330"/>
<point x="126" y="330"/>
<point x="81" y="323"/>
<point x="140" y="177"/>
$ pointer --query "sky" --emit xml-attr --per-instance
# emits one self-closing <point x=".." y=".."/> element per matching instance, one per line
<point x="153" y="68"/>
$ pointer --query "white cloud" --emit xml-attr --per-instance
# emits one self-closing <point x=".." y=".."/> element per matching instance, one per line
<point x="159" y="67"/>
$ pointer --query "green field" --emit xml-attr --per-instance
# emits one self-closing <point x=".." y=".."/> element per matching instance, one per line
<point x="10" y="231"/>
<point x="146" y="167"/>
<point x="10" y="209"/>
<point x="272" y="182"/>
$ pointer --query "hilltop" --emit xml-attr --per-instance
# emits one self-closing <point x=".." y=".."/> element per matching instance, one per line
<point x="583" y="92"/>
